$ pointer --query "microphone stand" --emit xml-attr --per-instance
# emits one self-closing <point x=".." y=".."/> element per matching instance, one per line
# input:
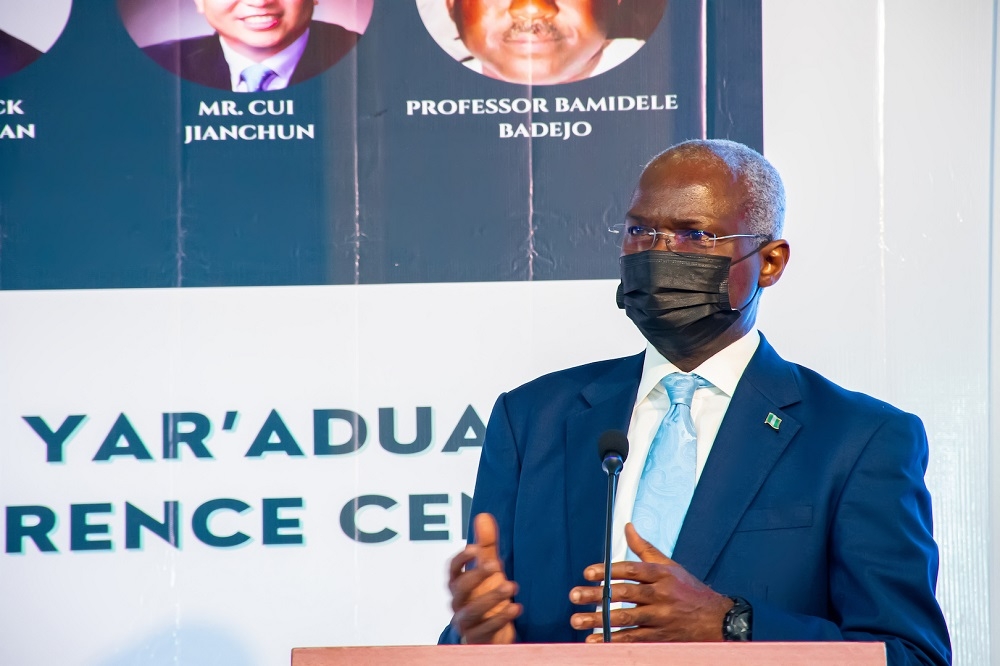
<point x="613" y="466"/>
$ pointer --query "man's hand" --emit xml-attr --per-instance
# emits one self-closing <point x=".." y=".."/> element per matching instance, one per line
<point x="481" y="596"/>
<point x="670" y="603"/>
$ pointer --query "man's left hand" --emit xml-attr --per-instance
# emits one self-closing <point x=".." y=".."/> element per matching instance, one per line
<point x="670" y="603"/>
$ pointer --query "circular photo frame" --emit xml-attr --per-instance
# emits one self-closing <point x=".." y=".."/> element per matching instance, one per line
<point x="541" y="42"/>
<point x="246" y="46"/>
<point x="28" y="30"/>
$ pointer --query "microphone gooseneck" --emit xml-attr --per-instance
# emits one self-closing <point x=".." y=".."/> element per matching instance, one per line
<point x="612" y="448"/>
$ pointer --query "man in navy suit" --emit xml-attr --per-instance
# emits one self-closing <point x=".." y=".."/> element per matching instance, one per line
<point x="258" y="45"/>
<point x="807" y="517"/>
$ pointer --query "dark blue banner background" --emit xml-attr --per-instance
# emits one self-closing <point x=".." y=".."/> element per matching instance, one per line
<point x="108" y="195"/>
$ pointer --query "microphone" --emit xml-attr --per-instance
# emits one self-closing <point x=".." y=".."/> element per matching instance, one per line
<point x="612" y="448"/>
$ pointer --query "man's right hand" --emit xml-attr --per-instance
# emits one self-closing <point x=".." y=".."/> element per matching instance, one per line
<point x="481" y="596"/>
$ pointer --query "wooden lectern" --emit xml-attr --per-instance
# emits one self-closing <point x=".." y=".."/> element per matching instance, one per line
<point x="602" y="654"/>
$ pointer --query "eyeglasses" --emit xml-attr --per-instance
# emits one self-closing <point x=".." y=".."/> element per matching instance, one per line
<point x="637" y="238"/>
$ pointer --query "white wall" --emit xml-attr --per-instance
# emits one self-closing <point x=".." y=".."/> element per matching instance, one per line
<point x="879" y="115"/>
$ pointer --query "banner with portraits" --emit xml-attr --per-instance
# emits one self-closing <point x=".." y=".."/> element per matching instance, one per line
<point x="264" y="267"/>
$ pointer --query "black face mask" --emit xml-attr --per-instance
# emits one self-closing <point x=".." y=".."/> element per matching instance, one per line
<point x="679" y="301"/>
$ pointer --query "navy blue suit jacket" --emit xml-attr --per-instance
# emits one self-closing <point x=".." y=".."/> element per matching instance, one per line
<point x="201" y="59"/>
<point x="824" y="524"/>
<point x="15" y="54"/>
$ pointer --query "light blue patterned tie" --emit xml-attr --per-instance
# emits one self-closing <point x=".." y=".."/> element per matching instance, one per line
<point x="668" y="477"/>
<point x="257" y="76"/>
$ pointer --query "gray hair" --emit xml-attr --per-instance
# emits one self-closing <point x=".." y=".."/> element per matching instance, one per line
<point x="765" y="203"/>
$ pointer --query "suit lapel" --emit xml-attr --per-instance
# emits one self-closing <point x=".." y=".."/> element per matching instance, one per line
<point x="609" y="401"/>
<point x="310" y="55"/>
<point x="326" y="45"/>
<point x="745" y="450"/>
<point x="206" y="63"/>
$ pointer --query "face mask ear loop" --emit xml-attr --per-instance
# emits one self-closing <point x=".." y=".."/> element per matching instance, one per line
<point x="747" y="256"/>
<point x="750" y="300"/>
<point x="757" y="289"/>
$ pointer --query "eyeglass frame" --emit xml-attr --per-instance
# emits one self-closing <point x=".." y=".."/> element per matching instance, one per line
<point x="622" y="229"/>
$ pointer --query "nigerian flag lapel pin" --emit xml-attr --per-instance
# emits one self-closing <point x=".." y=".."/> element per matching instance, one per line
<point x="773" y="420"/>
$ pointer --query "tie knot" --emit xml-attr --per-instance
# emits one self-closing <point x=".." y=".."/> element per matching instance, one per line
<point x="680" y="388"/>
<point x="256" y="76"/>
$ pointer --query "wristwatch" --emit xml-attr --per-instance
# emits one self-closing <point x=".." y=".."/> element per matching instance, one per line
<point x="737" y="625"/>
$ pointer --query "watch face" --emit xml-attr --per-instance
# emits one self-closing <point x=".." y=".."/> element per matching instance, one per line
<point x="736" y="626"/>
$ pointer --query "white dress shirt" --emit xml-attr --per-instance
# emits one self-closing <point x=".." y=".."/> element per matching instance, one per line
<point x="708" y="407"/>
<point x="282" y="64"/>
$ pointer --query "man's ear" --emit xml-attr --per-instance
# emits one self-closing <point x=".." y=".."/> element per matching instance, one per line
<point x="200" y="4"/>
<point x="774" y="258"/>
<point x="451" y="8"/>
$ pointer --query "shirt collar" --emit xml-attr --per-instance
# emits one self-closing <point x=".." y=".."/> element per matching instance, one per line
<point x="282" y="63"/>
<point x="724" y="369"/>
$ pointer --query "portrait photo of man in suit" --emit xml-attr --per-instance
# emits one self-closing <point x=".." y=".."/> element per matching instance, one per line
<point x="759" y="501"/>
<point x="540" y="42"/>
<point x="257" y="45"/>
